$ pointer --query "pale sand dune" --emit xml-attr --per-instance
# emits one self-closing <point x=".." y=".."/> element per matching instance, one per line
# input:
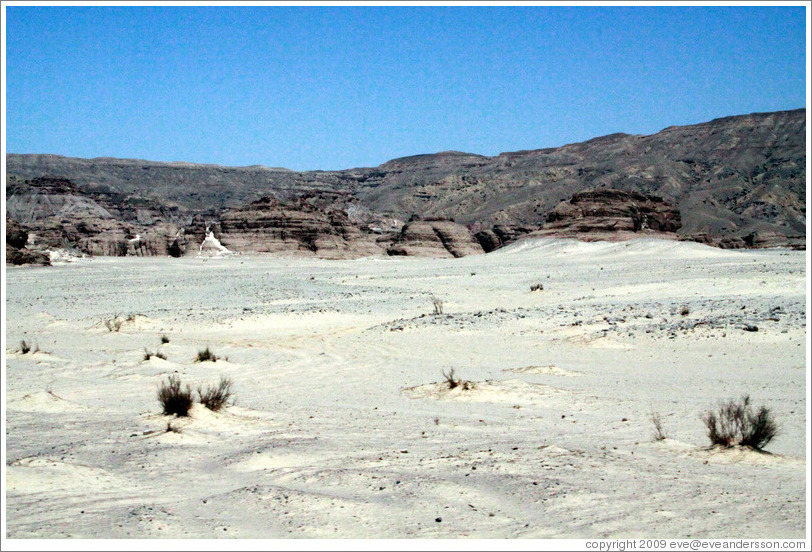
<point x="42" y="401"/>
<point x="508" y="391"/>
<point x="343" y="427"/>
<point x="551" y="370"/>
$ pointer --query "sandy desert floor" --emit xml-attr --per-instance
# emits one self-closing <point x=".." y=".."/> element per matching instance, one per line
<point x="343" y="427"/>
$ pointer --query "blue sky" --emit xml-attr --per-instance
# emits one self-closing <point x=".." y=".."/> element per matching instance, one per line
<point x="340" y="87"/>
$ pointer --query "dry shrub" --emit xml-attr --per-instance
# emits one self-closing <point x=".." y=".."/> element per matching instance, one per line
<point x="216" y="397"/>
<point x="659" y="432"/>
<point x="537" y="287"/>
<point x="438" y="305"/>
<point x="737" y="423"/>
<point x="453" y="383"/>
<point x="148" y="354"/>
<point x="205" y="355"/>
<point x="114" y="324"/>
<point x="173" y="398"/>
<point x="164" y="340"/>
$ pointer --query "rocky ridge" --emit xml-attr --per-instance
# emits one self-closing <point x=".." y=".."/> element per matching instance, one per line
<point x="732" y="182"/>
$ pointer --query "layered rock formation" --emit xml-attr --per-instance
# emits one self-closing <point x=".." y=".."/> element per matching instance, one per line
<point x="594" y="214"/>
<point x="736" y="182"/>
<point x="435" y="237"/>
<point x="59" y="214"/>
<point x="270" y="225"/>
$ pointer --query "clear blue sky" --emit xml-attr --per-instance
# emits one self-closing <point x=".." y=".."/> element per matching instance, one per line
<point x="340" y="87"/>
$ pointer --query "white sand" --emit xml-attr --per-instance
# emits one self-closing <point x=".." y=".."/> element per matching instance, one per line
<point x="343" y="428"/>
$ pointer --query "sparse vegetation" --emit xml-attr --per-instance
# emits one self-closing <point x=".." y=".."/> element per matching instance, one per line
<point x="453" y="382"/>
<point x="737" y="423"/>
<point x="537" y="287"/>
<point x="114" y="324"/>
<point x="438" y="306"/>
<point x="25" y="348"/>
<point x="659" y="432"/>
<point x="449" y="379"/>
<point x="174" y="399"/>
<point x="216" y="397"/>
<point x="205" y="355"/>
<point x="148" y="354"/>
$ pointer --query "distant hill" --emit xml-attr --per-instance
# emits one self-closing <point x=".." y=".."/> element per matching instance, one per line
<point x="729" y="178"/>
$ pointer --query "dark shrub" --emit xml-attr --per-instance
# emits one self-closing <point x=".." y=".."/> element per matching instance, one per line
<point x="449" y="379"/>
<point x="205" y="355"/>
<point x="173" y="399"/>
<point x="215" y="398"/>
<point x="148" y="355"/>
<point x="164" y="340"/>
<point x="737" y="423"/>
<point x="454" y="383"/>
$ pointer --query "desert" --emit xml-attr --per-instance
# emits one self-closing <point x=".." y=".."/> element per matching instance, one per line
<point x="344" y="425"/>
<point x="405" y="275"/>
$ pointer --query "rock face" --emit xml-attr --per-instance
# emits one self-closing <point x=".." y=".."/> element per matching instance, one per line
<point x="57" y="214"/>
<point x="16" y="236"/>
<point x="595" y="213"/>
<point x="737" y="182"/>
<point x="760" y="240"/>
<point x="16" y="251"/>
<point x="272" y="226"/>
<point x="729" y="177"/>
<point x="23" y="256"/>
<point x="435" y="237"/>
<point x="501" y="235"/>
